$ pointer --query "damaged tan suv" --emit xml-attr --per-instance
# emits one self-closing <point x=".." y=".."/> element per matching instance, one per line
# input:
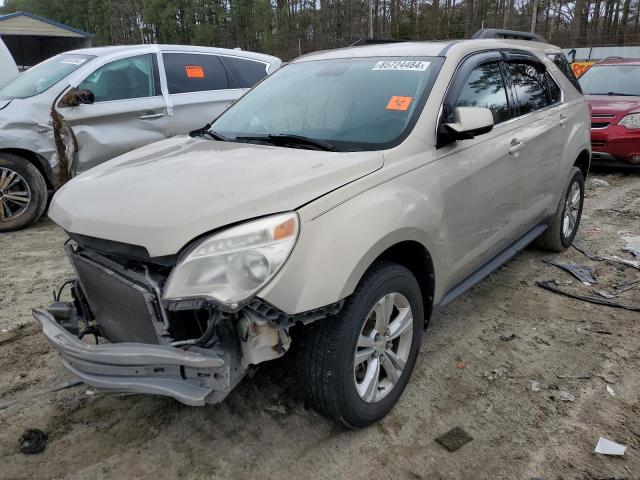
<point x="335" y="207"/>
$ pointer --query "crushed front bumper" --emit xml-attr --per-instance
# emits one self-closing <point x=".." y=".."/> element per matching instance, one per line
<point x="192" y="377"/>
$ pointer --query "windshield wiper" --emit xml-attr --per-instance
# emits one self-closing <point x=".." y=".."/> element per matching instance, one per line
<point x="287" y="139"/>
<point x="615" y="94"/>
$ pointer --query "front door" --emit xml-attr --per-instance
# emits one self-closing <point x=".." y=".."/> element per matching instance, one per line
<point x="129" y="111"/>
<point x="482" y="177"/>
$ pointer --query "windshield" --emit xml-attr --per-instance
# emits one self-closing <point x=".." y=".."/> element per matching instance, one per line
<point x="611" y="80"/>
<point x="43" y="76"/>
<point x="348" y="104"/>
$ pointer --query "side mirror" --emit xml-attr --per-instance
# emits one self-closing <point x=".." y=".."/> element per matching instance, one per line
<point x="469" y="122"/>
<point x="75" y="97"/>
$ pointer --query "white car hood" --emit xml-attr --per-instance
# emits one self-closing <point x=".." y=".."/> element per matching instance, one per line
<point x="164" y="195"/>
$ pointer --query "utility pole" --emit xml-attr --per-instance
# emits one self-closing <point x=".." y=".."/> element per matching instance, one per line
<point x="370" y="18"/>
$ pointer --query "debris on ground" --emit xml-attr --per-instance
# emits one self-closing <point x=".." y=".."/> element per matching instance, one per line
<point x="607" y="447"/>
<point x="583" y="251"/>
<point x="628" y="263"/>
<point x="597" y="182"/>
<point x="535" y="386"/>
<point x="496" y="373"/>
<point x="547" y="285"/>
<point x="582" y="273"/>
<point x="279" y="409"/>
<point x="611" y="392"/>
<point x="508" y="338"/>
<point x="33" y="441"/>
<point x="460" y="365"/>
<point x="454" y="439"/>
<point x="633" y="245"/>
<point x="566" y="396"/>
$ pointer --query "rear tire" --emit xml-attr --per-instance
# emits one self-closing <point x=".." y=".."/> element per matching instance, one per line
<point x="354" y="366"/>
<point x="566" y="221"/>
<point x="23" y="193"/>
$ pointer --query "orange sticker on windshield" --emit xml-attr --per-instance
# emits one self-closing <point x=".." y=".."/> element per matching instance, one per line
<point x="399" y="103"/>
<point x="194" y="71"/>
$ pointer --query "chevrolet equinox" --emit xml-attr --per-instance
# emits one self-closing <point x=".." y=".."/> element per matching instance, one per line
<point x="336" y="206"/>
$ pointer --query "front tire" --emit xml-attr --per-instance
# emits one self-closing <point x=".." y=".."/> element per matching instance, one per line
<point x="354" y="366"/>
<point x="23" y="193"/>
<point x="565" y="222"/>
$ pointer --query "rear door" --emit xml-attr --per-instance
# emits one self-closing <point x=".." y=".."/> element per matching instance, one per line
<point x="539" y="131"/>
<point x="129" y="110"/>
<point x="200" y="89"/>
<point x="482" y="180"/>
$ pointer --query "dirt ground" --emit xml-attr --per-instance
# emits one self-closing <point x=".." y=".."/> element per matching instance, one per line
<point x="475" y="369"/>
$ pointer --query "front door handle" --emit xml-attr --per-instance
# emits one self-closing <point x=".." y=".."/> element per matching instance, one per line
<point x="151" y="116"/>
<point x="563" y="119"/>
<point x="516" y="145"/>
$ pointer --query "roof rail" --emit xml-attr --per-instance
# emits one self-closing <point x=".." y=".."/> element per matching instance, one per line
<point x="512" y="34"/>
<point x="374" y="41"/>
<point x="613" y="57"/>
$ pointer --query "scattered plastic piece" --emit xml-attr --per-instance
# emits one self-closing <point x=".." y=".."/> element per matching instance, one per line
<point x="535" y="386"/>
<point x="605" y="294"/>
<point x="454" y="439"/>
<point x="611" y="392"/>
<point x="547" y="285"/>
<point x="628" y="263"/>
<point x="633" y="245"/>
<point x="90" y="392"/>
<point x="582" y="273"/>
<point x="566" y="396"/>
<point x="597" y="182"/>
<point x="583" y="251"/>
<point x="33" y="441"/>
<point x="607" y="447"/>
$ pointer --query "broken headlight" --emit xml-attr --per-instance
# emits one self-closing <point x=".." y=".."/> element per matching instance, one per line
<point x="231" y="266"/>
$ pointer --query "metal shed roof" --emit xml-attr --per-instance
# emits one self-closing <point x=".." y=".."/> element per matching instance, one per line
<point x="25" y="23"/>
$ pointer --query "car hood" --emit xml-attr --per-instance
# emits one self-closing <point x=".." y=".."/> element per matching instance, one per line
<point x="613" y="105"/>
<point x="164" y="195"/>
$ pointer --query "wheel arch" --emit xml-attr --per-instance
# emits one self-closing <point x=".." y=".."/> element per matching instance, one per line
<point x="416" y="258"/>
<point x="583" y="162"/>
<point x="37" y="160"/>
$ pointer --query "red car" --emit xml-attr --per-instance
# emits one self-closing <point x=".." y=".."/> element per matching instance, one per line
<point x="613" y="89"/>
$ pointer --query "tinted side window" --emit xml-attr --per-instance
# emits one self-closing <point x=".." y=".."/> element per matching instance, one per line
<point x="192" y="72"/>
<point x="485" y="88"/>
<point x="529" y="81"/>
<point x="565" y="67"/>
<point x="246" y="72"/>
<point x="554" y="89"/>
<point x="134" y="77"/>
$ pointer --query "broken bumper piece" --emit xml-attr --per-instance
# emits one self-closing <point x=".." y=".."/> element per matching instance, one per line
<point x="191" y="377"/>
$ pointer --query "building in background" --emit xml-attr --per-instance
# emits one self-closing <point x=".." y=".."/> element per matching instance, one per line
<point x="32" y="39"/>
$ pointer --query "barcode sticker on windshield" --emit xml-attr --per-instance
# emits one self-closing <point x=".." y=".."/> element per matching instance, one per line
<point x="401" y="65"/>
<point x="74" y="61"/>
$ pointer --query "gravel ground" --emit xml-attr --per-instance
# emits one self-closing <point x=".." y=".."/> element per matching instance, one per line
<point x="476" y="368"/>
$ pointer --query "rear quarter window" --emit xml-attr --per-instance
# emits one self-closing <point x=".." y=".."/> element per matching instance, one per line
<point x="564" y="66"/>
<point x="193" y="72"/>
<point x="246" y="72"/>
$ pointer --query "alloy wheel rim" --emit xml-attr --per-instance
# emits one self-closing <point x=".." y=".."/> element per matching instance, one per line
<point x="571" y="210"/>
<point x="15" y="194"/>
<point x="383" y="347"/>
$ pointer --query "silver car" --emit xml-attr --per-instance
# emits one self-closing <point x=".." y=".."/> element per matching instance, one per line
<point x="337" y="206"/>
<point x="80" y="108"/>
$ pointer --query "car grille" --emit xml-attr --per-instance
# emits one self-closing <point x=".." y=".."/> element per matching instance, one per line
<point x="601" y="120"/>
<point x="124" y="309"/>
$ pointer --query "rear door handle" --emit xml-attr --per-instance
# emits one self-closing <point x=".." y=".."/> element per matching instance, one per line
<point x="563" y="119"/>
<point x="151" y="116"/>
<point x="516" y="145"/>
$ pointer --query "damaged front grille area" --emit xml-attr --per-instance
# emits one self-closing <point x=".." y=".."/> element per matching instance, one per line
<point x="124" y="300"/>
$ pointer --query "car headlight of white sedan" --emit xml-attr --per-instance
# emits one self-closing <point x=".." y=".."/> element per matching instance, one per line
<point x="234" y="264"/>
